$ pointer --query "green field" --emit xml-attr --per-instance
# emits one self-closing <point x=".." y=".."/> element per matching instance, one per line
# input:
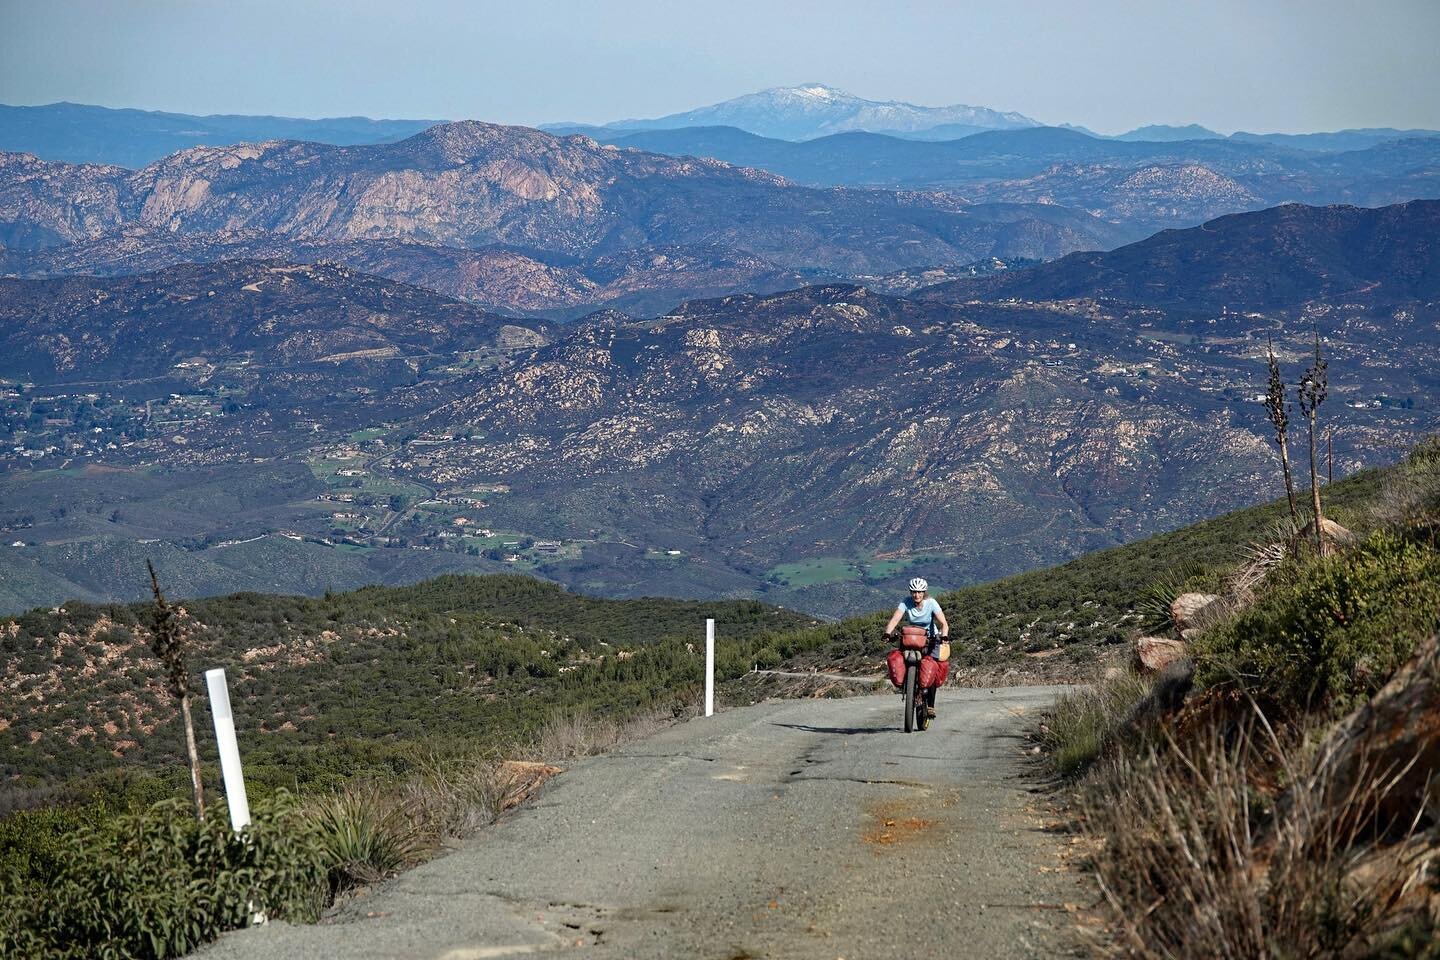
<point x="328" y="471"/>
<point x="810" y="573"/>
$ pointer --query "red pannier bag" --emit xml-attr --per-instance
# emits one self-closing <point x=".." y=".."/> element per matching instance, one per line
<point x="932" y="672"/>
<point x="914" y="638"/>
<point x="896" y="664"/>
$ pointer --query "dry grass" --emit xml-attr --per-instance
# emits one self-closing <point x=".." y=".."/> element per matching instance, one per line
<point x="1411" y="495"/>
<point x="1199" y="860"/>
<point x="573" y="734"/>
<point x="1077" y="728"/>
<point x="458" y="796"/>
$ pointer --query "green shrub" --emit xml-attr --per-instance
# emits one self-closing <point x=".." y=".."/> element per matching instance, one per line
<point x="1331" y="630"/>
<point x="159" y="883"/>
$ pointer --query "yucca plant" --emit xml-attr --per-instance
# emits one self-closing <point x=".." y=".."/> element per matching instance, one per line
<point x="1156" y="596"/>
<point x="367" y="833"/>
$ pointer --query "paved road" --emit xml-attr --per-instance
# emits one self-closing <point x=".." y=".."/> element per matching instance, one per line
<point x="809" y="828"/>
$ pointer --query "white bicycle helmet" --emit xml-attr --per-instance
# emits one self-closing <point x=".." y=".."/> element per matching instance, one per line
<point x="919" y="584"/>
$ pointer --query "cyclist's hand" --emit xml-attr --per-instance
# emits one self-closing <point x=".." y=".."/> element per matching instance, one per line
<point x="889" y="636"/>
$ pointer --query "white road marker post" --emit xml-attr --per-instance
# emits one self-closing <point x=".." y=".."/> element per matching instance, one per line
<point x="709" y="668"/>
<point x="230" y="770"/>
<point x="229" y="750"/>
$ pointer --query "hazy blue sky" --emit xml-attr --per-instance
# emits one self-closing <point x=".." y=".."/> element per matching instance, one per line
<point x="1112" y="64"/>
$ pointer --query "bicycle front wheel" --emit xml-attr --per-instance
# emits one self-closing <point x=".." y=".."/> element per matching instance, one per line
<point x="912" y="696"/>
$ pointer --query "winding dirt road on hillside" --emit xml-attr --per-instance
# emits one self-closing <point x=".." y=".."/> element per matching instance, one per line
<point x="808" y="828"/>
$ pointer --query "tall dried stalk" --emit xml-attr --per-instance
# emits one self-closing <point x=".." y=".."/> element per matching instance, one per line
<point x="1313" y="389"/>
<point x="1278" y="409"/>
<point x="172" y="638"/>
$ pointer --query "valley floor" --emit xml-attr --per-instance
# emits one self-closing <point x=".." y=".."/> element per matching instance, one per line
<point x="812" y="828"/>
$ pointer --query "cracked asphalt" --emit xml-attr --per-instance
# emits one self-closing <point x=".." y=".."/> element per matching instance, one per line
<point x="805" y="828"/>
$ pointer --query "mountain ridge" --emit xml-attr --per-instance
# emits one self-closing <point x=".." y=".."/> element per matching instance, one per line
<point x="435" y="199"/>
<point x="130" y="137"/>
<point x="1292" y="253"/>
<point x="814" y="109"/>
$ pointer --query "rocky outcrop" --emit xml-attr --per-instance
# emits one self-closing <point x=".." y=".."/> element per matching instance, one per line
<point x="1334" y="533"/>
<point x="1188" y="611"/>
<point x="1154" y="654"/>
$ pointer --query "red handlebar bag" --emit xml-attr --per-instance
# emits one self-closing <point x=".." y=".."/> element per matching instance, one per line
<point x="914" y="638"/>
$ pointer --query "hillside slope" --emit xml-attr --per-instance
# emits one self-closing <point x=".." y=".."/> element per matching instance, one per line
<point x="1272" y="258"/>
<point x="333" y="686"/>
<point x="805" y="446"/>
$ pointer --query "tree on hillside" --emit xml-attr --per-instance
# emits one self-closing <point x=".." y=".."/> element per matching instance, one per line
<point x="1279" y="410"/>
<point x="1312" y="390"/>
<point x="172" y="638"/>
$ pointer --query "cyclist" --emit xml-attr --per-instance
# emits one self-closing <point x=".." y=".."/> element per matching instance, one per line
<point x="919" y="609"/>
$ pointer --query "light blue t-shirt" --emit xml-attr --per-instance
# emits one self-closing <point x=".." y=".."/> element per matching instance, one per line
<point x="919" y="614"/>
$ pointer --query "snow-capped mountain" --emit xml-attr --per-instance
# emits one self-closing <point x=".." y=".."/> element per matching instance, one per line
<point x="814" y="110"/>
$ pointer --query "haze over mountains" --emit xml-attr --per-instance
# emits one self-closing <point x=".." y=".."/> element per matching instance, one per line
<point x="1149" y="184"/>
<point x="82" y="133"/>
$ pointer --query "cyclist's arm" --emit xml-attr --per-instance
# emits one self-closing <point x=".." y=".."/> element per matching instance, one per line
<point x="894" y="621"/>
<point x="940" y="619"/>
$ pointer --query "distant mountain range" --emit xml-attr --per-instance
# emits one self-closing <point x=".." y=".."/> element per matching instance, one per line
<point x="526" y="223"/>
<point x="1151" y="184"/>
<point x="809" y="446"/>
<point x="513" y="218"/>
<point x="80" y="133"/>
<point x="815" y="110"/>
<point x="1164" y="133"/>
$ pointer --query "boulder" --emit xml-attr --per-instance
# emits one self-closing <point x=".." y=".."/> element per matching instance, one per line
<point x="1334" y="533"/>
<point x="1154" y="654"/>
<point x="1187" y="610"/>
